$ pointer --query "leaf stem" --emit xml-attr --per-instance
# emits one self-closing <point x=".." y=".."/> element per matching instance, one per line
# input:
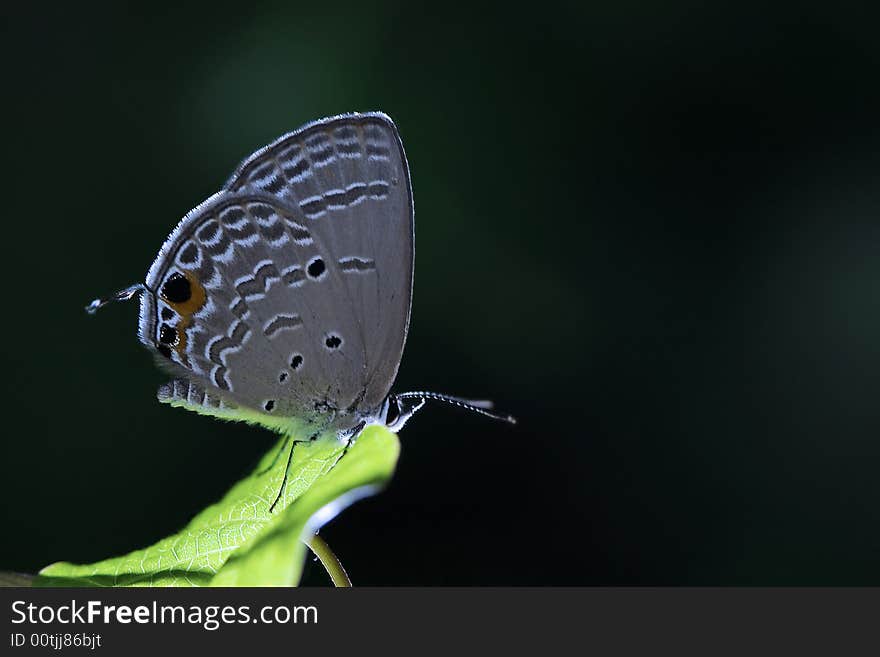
<point x="329" y="560"/>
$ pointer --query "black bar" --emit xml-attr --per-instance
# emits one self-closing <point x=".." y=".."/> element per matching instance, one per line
<point x="413" y="621"/>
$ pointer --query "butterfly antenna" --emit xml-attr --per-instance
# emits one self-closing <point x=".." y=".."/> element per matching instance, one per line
<point x="480" y="406"/>
<point x="122" y="295"/>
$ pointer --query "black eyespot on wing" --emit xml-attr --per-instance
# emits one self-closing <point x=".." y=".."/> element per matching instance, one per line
<point x="316" y="268"/>
<point x="296" y="361"/>
<point x="282" y="377"/>
<point x="333" y="341"/>
<point x="167" y="314"/>
<point x="269" y="405"/>
<point x="177" y="288"/>
<point x="167" y="334"/>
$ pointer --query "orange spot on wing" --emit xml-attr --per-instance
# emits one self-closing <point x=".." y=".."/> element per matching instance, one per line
<point x="187" y="309"/>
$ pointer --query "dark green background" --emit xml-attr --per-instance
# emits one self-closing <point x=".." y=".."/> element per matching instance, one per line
<point x="650" y="230"/>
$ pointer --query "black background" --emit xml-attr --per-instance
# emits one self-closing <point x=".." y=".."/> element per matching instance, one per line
<point x="650" y="230"/>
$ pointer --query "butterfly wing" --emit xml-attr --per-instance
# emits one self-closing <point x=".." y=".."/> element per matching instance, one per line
<point x="288" y="293"/>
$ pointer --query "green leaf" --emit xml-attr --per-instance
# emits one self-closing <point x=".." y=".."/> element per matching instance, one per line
<point x="237" y="541"/>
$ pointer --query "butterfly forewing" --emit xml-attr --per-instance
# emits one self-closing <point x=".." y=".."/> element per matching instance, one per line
<point x="288" y="292"/>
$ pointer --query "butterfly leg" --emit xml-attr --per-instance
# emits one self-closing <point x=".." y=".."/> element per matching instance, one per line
<point x="293" y="443"/>
<point x="272" y="465"/>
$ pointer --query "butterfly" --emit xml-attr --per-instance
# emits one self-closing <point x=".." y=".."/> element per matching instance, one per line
<point x="284" y="299"/>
